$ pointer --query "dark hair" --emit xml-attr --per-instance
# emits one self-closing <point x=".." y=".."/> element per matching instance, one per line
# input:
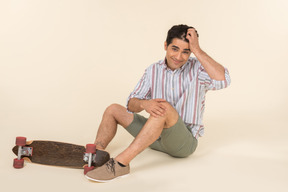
<point x="178" y="31"/>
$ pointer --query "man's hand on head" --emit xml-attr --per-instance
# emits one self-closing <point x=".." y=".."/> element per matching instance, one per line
<point x="192" y="37"/>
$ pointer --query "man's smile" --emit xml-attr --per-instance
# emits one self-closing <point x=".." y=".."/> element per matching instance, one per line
<point x="176" y="61"/>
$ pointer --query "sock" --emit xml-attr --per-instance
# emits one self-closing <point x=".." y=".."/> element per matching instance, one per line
<point x="121" y="164"/>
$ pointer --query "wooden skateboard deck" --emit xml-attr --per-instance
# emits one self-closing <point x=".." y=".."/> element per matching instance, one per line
<point x="60" y="154"/>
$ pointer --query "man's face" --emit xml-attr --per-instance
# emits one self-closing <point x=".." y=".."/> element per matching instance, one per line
<point x="177" y="53"/>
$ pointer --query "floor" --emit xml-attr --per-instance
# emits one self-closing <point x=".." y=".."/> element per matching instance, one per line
<point x="239" y="160"/>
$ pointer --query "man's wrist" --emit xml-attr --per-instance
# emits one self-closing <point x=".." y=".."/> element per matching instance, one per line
<point x="142" y="103"/>
<point x="198" y="52"/>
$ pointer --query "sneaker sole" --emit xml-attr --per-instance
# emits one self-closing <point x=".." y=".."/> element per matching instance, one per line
<point x="105" y="181"/>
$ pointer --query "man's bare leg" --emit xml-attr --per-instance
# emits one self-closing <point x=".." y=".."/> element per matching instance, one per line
<point x="114" y="114"/>
<point x="149" y="133"/>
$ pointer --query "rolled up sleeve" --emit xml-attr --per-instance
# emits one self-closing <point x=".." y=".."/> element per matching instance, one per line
<point x="212" y="84"/>
<point x="216" y="85"/>
<point x="141" y="91"/>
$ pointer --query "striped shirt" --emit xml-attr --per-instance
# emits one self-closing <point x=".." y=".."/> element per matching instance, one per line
<point x="183" y="88"/>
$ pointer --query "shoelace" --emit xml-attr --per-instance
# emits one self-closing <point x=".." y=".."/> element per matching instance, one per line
<point x="111" y="165"/>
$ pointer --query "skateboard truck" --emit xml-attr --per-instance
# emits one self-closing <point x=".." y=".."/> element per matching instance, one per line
<point x="90" y="157"/>
<point x="22" y="151"/>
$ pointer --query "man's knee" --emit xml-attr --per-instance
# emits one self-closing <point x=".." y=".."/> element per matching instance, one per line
<point x="113" y="108"/>
<point x="171" y="115"/>
<point x="119" y="114"/>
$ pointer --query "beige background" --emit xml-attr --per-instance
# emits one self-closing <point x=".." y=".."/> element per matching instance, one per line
<point x="63" y="62"/>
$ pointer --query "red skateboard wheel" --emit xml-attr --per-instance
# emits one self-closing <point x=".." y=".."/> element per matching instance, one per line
<point x="90" y="148"/>
<point x="21" y="141"/>
<point x="87" y="169"/>
<point x="18" y="163"/>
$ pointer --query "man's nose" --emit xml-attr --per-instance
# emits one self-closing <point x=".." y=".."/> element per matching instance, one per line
<point x="178" y="56"/>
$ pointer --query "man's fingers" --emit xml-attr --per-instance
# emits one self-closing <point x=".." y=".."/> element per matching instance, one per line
<point x="190" y="31"/>
<point x="160" y="100"/>
<point x="154" y="114"/>
<point x="161" y="112"/>
<point x="158" y="111"/>
<point x="161" y="108"/>
<point x="161" y="105"/>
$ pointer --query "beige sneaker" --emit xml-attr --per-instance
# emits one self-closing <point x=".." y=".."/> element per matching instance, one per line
<point x="108" y="172"/>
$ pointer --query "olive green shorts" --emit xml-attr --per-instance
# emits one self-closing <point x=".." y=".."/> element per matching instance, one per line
<point x="176" y="141"/>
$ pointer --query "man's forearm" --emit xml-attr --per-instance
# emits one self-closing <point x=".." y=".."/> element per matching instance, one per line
<point x="215" y="70"/>
<point x="135" y="105"/>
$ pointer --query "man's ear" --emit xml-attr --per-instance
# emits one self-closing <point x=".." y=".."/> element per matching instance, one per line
<point x="165" y="46"/>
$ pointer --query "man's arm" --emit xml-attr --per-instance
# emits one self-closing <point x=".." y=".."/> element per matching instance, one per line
<point x="153" y="106"/>
<point x="215" y="70"/>
<point x="135" y="105"/>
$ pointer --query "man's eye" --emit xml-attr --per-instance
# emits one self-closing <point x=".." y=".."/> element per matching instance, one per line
<point x="174" y="49"/>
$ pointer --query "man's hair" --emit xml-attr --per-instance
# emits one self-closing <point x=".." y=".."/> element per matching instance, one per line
<point x="178" y="31"/>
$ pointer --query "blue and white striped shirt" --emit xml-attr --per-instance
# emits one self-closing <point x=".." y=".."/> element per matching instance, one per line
<point x="183" y="88"/>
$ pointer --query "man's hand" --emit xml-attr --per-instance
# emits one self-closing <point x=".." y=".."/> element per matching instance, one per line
<point x="154" y="107"/>
<point x="192" y="36"/>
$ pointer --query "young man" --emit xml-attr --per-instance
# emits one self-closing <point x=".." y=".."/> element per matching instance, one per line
<point x="173" y="92"/>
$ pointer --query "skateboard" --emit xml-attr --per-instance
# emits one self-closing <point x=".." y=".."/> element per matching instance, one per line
<point x="58" y="154"/>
